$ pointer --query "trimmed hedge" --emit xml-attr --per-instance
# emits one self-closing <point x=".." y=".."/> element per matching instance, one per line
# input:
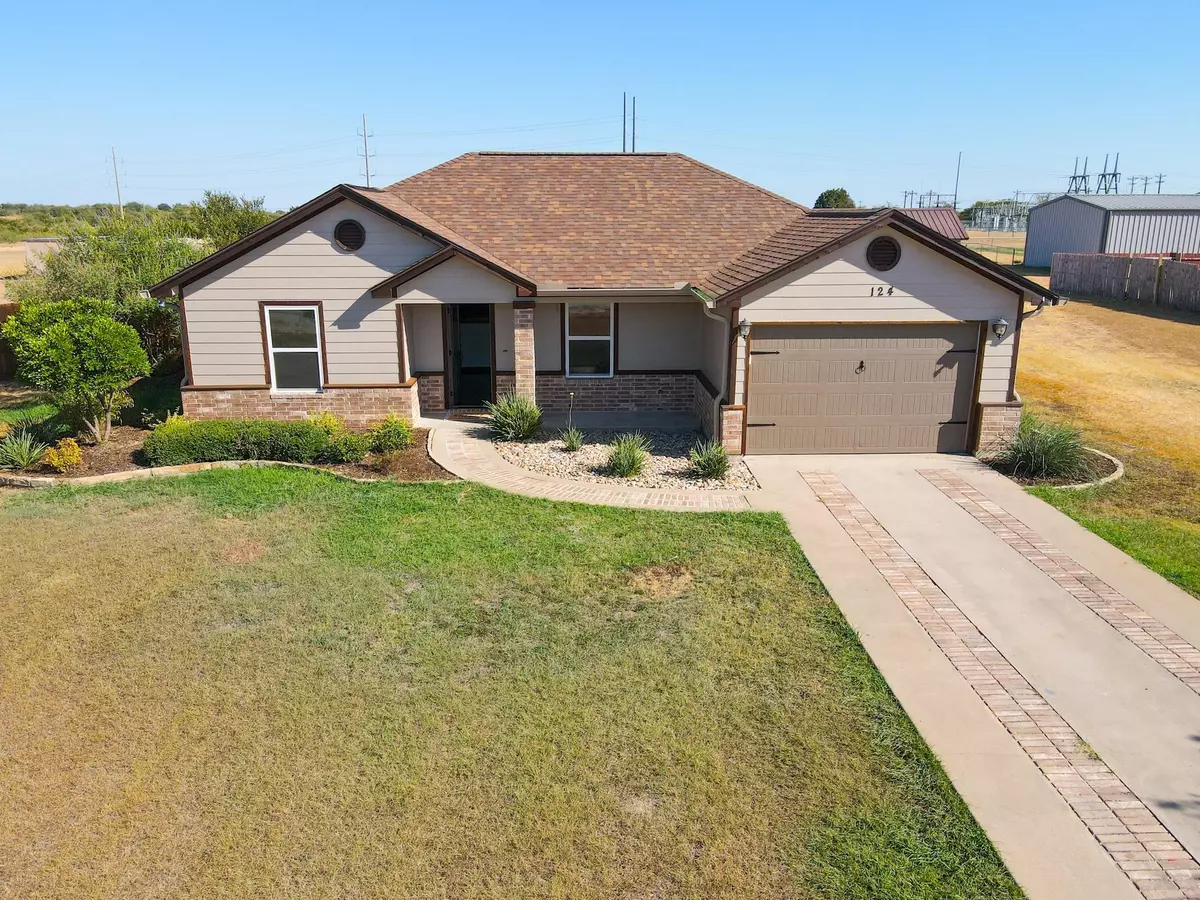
<point x="179" y="441"/>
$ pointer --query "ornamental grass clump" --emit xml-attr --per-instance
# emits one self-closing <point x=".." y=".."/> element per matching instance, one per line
<point x="628" y="454"/>
<point x="572" y="439"/>
<point x="514" y="418"/>
<point x="21" y="450"/>
<point x="709" y="460"/>
<point x="1044" y="450"/>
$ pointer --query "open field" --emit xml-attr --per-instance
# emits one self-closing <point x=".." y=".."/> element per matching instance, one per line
<point x="12" y="259"/>
<point x="1130" y="380"/>
<point x="1006" y="247"/>
<point x="268" y="683"/>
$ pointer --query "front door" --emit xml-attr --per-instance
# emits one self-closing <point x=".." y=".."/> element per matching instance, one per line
<point x="469" y="343"/>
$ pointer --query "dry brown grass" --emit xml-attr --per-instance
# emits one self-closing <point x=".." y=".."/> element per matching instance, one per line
<point x="1007" y="247"/>
<point x="1129" y="378"/>
<point x="12" y="259"/>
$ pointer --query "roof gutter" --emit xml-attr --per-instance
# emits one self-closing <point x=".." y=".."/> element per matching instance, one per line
<point x="683" y="289"/>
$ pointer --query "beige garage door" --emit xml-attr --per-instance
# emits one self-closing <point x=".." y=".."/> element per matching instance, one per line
<point x="860" y="388"/>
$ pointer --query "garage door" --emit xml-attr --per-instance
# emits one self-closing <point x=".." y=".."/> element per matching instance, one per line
<point x="860" y="388"/>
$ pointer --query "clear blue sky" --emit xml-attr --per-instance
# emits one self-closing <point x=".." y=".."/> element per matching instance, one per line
<point x="263" y="98"/>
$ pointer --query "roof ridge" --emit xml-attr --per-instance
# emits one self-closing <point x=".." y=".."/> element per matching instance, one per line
<point x="741" y="181"/>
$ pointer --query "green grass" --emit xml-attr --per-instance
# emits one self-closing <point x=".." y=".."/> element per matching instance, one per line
<point x="272" y="683"/>
<point x="1168" y="546"/>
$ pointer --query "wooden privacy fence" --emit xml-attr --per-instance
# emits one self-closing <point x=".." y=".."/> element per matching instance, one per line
<point x="1153" y="281"/>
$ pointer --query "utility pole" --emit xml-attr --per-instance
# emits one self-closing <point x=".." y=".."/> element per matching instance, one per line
<point x="117" y="181"/>
<point x="1132" y="181"/>
<point x="633" y="142"/>
<point x="624" y="117"/>
<point x="366" y="150"/>
<point x="1160" y="181"/>
<point x="957" y="172"/>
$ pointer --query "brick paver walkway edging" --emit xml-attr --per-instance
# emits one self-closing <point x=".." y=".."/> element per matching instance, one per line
<point x="465" y="452"/>
<point x="1144" y="631"/>
<point x="1132" y="836"/>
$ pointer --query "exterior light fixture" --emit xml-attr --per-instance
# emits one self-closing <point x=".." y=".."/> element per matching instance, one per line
<point x="1000" y="328"/>
<point x="744" y="329"/>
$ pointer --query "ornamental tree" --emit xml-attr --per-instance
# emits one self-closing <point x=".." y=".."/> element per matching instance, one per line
<point x="77" y="352"/>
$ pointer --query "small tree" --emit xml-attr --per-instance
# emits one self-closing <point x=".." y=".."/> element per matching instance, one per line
<point x="834" y="198"/>
<point x="223" y="218"/>
<point x="81" y="355"/>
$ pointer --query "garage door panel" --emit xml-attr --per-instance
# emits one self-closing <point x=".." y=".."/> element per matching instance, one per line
<point x="861" y="388"/>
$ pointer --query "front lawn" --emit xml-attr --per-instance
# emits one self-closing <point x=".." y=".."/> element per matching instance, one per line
<point x="272" y="683"/>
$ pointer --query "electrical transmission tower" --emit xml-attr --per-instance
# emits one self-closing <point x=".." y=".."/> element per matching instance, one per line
<point x="1079" y="183"/>
<point x="1109" y="182"/>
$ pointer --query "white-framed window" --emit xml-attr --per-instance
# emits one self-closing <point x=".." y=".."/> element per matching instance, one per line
<point x="294" y="348"/>
<point x="589" y="339"/>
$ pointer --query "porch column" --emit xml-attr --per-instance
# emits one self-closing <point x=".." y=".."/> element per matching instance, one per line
<point x="523" y="358"/>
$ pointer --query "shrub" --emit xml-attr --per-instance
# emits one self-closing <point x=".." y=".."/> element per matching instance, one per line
<point x="392" y="463"/>
<point x="348" y="447"/>
<point x="514" y="418"/>
<point x="179" y="441"/>
<point x="572" y="439"/>
<point x="77" y="352"/>
<point x="1043" y="450"/>
<point x="627" y="455"/>
<point x="709" y="459"/>
<point x="392" y="434"/>
<point x="328" y="422"/>
<point x="64" y="456"/>
<point x="21" y="450"/>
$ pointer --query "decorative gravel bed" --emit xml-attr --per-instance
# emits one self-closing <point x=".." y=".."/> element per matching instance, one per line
<point x="667" y="467"/>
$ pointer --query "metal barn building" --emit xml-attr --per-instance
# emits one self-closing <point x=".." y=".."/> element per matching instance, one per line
<point x="1113" y="223"/>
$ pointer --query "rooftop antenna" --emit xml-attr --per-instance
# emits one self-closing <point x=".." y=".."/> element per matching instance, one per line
<point x="624" y="117"/>
<point x="633" y="138"/>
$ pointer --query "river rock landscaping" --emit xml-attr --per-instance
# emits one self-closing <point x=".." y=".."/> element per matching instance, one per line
<point x="667" y="467"/>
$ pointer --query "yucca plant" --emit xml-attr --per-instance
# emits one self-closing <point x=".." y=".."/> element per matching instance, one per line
<point x="1043" y="450"/>
<point x="21" y="450"/>
<point x="572" y="439"/>
<point x="514" y="418"/>
<point x="709" y="459"/>
<point x="627" y="455"/>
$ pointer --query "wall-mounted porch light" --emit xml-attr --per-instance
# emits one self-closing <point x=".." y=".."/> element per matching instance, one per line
<point x="1000" y="328"/>
<point x="744" y="329"/>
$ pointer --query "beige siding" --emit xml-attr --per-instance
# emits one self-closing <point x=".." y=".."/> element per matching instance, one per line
<point x="926" y="287"/>
<point x="457" y="281"/>
<point x="502" y="353"/>
<point x="224" y="329"/>
<point x="659" y="335"/>
<point x="715" y="356"/>
<point x="424" y="327"/>
<point x="547" y="336"/>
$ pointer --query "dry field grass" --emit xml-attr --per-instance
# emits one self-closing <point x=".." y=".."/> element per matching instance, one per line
<point x="1130" y="379"/>
<point x="12" y="259"/>
<point x="1006" y="247"/>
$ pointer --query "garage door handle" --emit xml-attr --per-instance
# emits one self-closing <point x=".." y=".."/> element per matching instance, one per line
<point x="862" y="364"/>
<point x="764" y="352"/>
<point x="760" y="425"/>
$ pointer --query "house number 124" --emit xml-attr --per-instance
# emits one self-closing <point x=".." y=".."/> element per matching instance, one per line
<point x="881" y="292"/>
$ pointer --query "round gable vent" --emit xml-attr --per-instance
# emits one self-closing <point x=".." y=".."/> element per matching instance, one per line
<point x="883" y="253"/>
<point x="349" y="235"/>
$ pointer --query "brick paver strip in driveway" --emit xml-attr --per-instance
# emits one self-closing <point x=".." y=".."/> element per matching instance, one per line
<point x="1130" y="833"/>
<point x="1149" y="635"/>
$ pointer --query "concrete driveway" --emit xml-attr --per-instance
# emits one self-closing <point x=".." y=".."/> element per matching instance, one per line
<point x="1057" y="680"/>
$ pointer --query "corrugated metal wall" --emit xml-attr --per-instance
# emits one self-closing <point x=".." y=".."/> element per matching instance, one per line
<point x="1153" y="232"/>
<point x="1065" y="225"/>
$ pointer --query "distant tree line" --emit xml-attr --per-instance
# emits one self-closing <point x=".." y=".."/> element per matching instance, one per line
<point x="19" y="221"/>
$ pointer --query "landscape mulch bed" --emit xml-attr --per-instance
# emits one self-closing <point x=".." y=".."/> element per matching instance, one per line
<point x="122" y="452"/>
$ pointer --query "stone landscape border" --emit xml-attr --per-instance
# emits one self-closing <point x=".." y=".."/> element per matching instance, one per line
<point x="49" y="481"/>
<point x="1118" y="472"/>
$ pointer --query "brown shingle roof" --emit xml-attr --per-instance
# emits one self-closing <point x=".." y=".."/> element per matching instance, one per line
<point x="799" y="237"/>
<point x="597" y="220"/>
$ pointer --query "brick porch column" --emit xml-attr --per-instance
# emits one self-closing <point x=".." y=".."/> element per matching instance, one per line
<point x="523" y="359"/>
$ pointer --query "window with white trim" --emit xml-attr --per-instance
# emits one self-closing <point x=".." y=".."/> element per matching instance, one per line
<point x="294" y="348"/>
<point x="589" y="337"/>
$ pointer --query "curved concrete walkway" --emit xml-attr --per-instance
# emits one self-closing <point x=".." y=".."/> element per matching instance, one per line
<point x="464" y="449"/>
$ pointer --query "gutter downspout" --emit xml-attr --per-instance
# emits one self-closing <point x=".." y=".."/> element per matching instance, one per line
<point x="706" y="305"/>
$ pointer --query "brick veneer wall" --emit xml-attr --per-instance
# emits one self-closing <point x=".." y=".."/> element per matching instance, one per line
<point x="733" y="422"/>
<point x="998" y="423"/>
<point x="357" y="406"/>
<point x="643" y="392"/>
<point x="704" y="405"/>
<point x="506" y="383"/>
<point x="431" y="392"/>
<point x="523" y="357"/>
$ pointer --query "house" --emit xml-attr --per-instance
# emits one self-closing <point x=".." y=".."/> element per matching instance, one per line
<point x="647" y="282"/>
<point x="1137" y="224"/>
